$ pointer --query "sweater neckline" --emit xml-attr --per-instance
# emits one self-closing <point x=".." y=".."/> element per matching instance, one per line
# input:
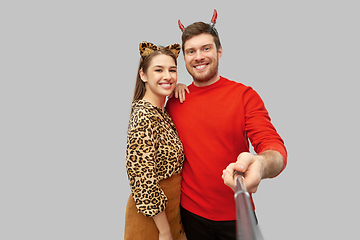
<point x="215" y="84"/>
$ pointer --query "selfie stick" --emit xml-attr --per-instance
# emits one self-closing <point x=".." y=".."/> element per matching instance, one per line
<point x="246" y="227"/>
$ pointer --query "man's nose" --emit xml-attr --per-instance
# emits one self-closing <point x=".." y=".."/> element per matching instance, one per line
<point x="199" y="55"/>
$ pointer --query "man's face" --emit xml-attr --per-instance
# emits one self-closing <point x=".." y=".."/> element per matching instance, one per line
<point x="202" y="59"/>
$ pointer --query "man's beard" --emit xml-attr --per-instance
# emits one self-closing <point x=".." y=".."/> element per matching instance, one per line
<point x="204" y="76"/>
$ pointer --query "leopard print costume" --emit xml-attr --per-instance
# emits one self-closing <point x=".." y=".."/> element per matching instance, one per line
<point x="154" y="153"/>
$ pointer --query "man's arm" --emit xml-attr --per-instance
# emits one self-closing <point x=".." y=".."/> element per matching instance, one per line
<point x="272" y="163"/>
<point x="267" y="164"/>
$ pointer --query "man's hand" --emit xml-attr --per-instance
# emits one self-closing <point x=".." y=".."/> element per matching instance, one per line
<point x="179" y="92"/>
<point x="248" y="164"/>
<point x="255" y="168"/>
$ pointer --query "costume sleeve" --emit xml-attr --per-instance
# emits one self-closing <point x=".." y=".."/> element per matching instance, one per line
<point x="141" y="167"/>
<point x="258" y="126"/>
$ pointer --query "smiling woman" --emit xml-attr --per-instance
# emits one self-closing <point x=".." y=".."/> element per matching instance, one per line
<point x="160" y="79"/>
<point x="154" y="154"/>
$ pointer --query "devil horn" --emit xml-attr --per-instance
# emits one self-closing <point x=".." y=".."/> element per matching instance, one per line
<point x="181" y="26"/>
<point x="214" y="17"/>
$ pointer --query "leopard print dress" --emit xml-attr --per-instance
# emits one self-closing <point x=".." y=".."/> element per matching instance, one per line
<point x="154" y="160"/>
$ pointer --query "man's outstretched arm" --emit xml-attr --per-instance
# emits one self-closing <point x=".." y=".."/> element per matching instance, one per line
<point x="267" y="164"/>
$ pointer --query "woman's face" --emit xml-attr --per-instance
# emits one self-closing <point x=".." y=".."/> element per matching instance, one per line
<point x="161" y="76"/>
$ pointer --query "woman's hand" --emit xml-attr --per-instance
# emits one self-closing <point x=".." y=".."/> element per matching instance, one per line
<point x="179" y="92"/>
<point x="165" y="236"/>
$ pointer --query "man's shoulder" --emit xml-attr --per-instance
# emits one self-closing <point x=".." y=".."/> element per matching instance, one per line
<point x="235" y="84"/>
<point x="172" y="101"/>
<point x="172" y="105"/>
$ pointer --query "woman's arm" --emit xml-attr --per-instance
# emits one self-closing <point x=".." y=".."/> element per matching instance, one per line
<point x="139" y="160"/>
<point x="179" y="92"/>
<point x="163" y="226"/>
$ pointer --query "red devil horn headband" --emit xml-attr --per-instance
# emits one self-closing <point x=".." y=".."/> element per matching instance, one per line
<point x="213" y="19"/>
<point x="212" y="24"/>
<point x="181" y="26"/>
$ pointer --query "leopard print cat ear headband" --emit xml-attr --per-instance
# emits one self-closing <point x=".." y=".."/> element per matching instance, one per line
<point x="212" y="23"/>
<point x="146" y="48"/>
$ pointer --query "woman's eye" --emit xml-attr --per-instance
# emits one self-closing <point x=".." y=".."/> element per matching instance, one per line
<point x="158" y="70"/>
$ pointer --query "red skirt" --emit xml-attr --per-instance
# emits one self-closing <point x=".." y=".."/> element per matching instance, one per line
<point x="140" y="227"/>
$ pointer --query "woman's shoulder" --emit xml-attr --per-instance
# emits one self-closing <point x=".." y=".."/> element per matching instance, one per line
<point x="143" y="113"/>
<point x="140" y="107"/>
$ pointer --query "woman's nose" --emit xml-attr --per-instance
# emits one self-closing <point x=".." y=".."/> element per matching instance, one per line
<point x="167" y="75"/>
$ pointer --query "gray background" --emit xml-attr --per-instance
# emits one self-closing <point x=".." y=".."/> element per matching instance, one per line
<point x="67" y="75"/>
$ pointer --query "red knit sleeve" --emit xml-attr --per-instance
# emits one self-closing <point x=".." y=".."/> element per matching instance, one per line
<point x="258" y="126"/>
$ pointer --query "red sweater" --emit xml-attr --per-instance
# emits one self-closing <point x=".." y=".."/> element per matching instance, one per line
<point x="215" y="124"/>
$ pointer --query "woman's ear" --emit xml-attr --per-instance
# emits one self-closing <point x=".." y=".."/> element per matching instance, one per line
<point x="142" y="75"/>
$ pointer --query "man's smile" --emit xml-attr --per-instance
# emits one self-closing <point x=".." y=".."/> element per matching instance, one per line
<point x="201" y="66"/>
